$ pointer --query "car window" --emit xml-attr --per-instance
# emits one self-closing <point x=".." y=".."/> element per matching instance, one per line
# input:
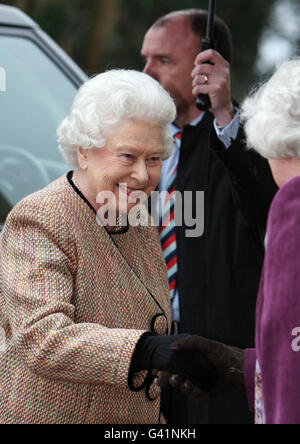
<point x="38" y="96"/>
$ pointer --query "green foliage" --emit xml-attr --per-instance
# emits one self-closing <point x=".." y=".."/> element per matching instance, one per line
<point x="101" y="34"/>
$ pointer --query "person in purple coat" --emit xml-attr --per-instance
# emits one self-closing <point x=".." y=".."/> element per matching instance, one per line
<point x="270" y="374"/>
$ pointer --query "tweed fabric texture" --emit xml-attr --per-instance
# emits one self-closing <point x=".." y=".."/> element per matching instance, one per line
<point x="74" y="302"/>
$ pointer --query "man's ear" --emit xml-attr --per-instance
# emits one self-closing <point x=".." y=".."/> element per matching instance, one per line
<point x="82" y="156"/>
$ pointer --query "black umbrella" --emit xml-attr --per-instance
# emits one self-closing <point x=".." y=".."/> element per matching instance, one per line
<point x="208" y="42"/>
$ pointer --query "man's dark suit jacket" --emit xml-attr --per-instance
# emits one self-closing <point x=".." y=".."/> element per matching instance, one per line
<point x="219" y="272"/>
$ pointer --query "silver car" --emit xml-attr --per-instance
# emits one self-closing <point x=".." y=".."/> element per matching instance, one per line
<point x="38" y="82"/>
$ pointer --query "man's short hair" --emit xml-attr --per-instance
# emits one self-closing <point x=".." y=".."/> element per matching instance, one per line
<point x="198" y="21"/>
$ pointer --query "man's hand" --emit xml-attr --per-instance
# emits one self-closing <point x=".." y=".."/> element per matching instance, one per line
<point x="214" y="79"/>
<point x="228" y="361"/>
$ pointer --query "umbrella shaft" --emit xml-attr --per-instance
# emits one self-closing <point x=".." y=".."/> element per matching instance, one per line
<point x="211" y="20"/>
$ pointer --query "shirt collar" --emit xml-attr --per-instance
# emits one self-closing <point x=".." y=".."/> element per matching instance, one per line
<point x="174" y="130"/>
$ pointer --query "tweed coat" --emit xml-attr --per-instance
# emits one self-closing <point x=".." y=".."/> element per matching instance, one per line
<point x="74" y="302"/>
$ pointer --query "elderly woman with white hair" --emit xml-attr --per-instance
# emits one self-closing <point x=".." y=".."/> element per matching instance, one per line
<point x="84" y="299"/>
<point x="269" y="373"/>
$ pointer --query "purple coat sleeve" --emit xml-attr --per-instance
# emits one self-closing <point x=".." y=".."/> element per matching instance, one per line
<point x="249" y="371"/>
<point x="278" y="314"/>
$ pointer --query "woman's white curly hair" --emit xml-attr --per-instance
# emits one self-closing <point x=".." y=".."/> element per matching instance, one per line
<point x="272" y="114"/>
<point x="106" y="100"/>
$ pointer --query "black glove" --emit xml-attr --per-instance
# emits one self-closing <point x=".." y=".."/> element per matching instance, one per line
<point x="228" y="362"/>
<point x="157" y="352"/>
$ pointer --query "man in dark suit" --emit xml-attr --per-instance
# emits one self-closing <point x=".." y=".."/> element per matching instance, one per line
<point x="214" y="277"/>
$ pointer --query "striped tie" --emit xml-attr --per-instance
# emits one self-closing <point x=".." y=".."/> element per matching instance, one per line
<point x="168" y="230"/>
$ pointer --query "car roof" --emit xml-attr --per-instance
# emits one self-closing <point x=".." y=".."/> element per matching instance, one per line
<point x="11" y="16"/>
<point x="13" y="20"/>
